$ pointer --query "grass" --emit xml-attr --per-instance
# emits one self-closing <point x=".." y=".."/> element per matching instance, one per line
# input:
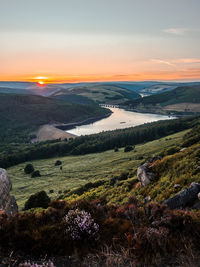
<point x="111" y="94"/>
<point x="79" y="170"/>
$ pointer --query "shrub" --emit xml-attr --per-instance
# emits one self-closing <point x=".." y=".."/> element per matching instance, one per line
<point x="80" y="225"/>
<point x="35" y="174"/>
<point x="128" y="148"/>
<point x="172" y="150"/>
<point x="58" y="162"/>
<point x="116" y="149"/>
<point x="37" y="200"/>
<point x="29" y="168"/>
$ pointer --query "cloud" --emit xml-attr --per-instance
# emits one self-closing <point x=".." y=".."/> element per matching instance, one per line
<point x="188" y="60"/>
<point x="177" y="62"/>
<point x="159" y="61"/>
<point x="180" y="31"/>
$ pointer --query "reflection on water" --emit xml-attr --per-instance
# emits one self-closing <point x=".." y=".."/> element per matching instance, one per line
<point x="119" y="119"/>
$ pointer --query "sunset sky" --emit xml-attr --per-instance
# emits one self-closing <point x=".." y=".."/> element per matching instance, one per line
<point x="99" y="40"/>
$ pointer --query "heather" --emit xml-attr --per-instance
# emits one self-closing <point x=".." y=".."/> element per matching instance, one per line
<point x="148" y="233"/>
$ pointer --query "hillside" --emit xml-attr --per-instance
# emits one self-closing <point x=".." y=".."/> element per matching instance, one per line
<point x="102" y="168"/>
<point x="79" y="170"/>
<point x="99" y="93"/>
<point x="21" y="114"/>
<point x="102" y="205"/>
<point x="185" y="99"/>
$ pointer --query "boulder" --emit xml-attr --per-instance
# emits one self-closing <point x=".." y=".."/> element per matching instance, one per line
<point x="7" y="202"/>
<point x="185" y="198"/>
<point x="144" y="174"/>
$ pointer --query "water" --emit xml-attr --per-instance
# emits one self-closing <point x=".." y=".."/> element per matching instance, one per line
<point x="119" y="119"/>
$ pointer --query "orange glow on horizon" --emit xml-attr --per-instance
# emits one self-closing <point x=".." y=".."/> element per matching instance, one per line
<point x="147" y="76"/>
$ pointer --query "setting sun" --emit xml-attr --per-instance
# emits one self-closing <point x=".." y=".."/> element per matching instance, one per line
<point x="41" y="82"/>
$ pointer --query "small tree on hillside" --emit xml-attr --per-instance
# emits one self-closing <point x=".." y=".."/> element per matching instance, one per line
<point x="58" y="162"/>
<point x="29" y="168"/>
<point x="128" y="148"/>
<point x="35" y="174"/>
<point x="40" y="199"/>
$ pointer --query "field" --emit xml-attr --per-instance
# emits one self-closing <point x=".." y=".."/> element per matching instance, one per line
<point x="79" y="170"/>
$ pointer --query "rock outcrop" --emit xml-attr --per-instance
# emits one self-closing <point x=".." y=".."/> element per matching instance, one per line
<point x="7" y="202"/>
<point x="144" y="174"/>
<point x="185" y="198"/>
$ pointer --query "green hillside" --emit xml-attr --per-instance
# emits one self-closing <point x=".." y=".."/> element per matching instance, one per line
<point x="24" y="113"/>
<point x="79" y="170"/>
<point x="99" y="93"/>
<point x="186" y="94"/>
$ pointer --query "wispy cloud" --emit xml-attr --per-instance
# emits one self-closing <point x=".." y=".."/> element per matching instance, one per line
<point x="180" y="31"/>
<point x="188" y="60"/>
<point x="159" y="61"/>
<point x="177" y="62"/>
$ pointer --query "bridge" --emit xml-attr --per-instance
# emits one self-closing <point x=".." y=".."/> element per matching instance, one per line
<point x="108" y="106"/>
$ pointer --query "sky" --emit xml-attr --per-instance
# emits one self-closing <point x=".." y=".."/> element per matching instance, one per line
<point x="99" y="40"/>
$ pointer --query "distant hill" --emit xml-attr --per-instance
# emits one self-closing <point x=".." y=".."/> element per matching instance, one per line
<point x="99" y="93"/>
<point x="26" y="112"/>
<point x="186" y="98"/>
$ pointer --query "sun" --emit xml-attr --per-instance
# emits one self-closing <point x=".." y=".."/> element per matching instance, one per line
<point x="41" y="82"/>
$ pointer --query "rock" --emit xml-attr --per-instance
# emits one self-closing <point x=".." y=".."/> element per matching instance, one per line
<point x="147" y="199"/>
<point x="153" y="159"/>
<point x="185" y="198"/>
<point x="177" y="186"/>
<point x="144" y="174"/>
<point x="7" y="202"/>
<point x="198" y="196"/>
<point x="182" y="149"/>
<point x="196" y="206"/>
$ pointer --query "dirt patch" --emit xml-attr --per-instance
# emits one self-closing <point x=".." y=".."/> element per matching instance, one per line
<point x="49" y="132"/>
<point x="187" y="107"/>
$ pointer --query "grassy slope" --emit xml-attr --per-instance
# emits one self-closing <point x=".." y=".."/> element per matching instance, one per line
<point x="187" y="94"/>
<point x="79" y="170"/>
<point x="111" y="94"/>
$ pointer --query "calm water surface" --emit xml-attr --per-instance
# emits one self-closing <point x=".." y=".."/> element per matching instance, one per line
<point x="119" y="119"/>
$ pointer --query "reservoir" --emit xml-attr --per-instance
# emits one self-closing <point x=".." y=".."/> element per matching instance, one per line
<point x="119" y="119"/>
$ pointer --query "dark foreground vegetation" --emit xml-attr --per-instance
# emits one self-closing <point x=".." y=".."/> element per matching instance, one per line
<point x="143" y="235"/>
<point x="15" y="153"/>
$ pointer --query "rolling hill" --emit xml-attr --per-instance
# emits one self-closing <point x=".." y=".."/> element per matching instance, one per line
<point x="25" y="113"/>
<point x="184" y="99"/>
<point x="106" y="93"/>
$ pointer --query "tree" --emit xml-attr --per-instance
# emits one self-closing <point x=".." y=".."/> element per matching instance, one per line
<point x="29" y="169"/>
<point x="128" y="148"/>
<point x="40" y="199"/>
<point x="36" y="174"/>
<point x="58" y="162"/>
<point x="116" y="149"/>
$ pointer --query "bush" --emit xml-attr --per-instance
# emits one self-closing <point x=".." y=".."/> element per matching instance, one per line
<point x="172" y="150"/>
<point x="128" y="148"/>
<point x="58" y="162"/>
<point x="29" y="168"/>
<point x="80" y="225"/>
<point x="38" y="200"/>
<point x="116" y="149"/>
<point x="36" y="174"/>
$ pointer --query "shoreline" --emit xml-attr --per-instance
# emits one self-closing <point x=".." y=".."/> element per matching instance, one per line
<point x="72" y="125"/>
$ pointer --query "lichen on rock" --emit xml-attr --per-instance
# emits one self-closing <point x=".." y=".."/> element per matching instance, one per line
<point x="7" y="202"/>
